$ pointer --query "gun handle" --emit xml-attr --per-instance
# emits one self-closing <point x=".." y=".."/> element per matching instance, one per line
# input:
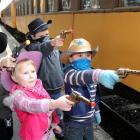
<point x="15" y="52"/>
<point x="72" y="98"/>
<point x="122" y="72"/>
<point x="64" y="33"/>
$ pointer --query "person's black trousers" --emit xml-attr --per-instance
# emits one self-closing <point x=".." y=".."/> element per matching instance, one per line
<point x="6" y="129"/>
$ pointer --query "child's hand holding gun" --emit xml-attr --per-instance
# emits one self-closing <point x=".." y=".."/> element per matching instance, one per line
<point x="58" y="41"/>
<point x="16" y="51"/>
<point x="10" y="61"/>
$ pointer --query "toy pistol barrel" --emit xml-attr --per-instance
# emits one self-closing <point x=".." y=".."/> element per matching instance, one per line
<point x="76" y="97"/>
<point x="64" y="33"/>
<point x="124" y="72"/>
<point x="16" y="50"/>
<point x="133" y="71"/>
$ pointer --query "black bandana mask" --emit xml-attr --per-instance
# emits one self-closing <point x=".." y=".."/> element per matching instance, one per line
<point x="41" y="39"/>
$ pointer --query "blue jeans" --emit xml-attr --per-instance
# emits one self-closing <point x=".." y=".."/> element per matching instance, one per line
<point x="84" y="133"/>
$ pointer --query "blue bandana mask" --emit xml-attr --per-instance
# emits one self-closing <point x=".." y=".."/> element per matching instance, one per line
<point x="82" y="64"/>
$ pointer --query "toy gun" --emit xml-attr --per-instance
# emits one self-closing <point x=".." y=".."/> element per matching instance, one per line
<point x="76" y="97"/>
<point x="124" y="72"/>
<point x="64" y="33"/>
<point x="16" y="50"/>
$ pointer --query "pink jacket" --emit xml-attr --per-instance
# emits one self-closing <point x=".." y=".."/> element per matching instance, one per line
<point x="33" y="112"/>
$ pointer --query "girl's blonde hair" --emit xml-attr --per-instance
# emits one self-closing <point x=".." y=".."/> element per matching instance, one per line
<point x="28" y="61"/>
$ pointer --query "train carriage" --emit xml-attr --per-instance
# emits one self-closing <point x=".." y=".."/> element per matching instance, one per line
<point x="113" y="25"/>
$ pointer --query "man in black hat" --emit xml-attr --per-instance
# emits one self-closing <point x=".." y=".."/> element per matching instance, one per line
<point x="50" y="71"/>
<point x="6" y="122"/>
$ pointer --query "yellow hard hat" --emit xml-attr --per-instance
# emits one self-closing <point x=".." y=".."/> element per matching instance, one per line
<point x="77" y="46"/>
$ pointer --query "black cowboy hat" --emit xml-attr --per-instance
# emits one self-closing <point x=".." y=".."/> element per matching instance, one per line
<point x="38" y="25"/>
<point x="3" y="42"/>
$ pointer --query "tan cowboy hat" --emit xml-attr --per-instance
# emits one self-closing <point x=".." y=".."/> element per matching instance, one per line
<point x="77" y="46"/>
<point x="35" y="56"/>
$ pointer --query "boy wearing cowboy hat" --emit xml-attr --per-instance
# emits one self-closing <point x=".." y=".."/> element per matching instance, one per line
<point x="33" y="105"/>
<point x="80" y="77"/>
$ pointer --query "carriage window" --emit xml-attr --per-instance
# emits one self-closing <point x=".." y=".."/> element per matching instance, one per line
<point x="131" y="2"/>
<point x="66" y="4"/>
<point x="54" y="5"/>
<point x="38" y="6"/>
<point x="27" y="4"/>
<point x="23" y="6"/>
<point x="35" y="6"/>
<point x="71" y="5"/>
<point x="50" y="5"/>
<point x="46" y="5"/>
<point x="20" y="10"/>
<point x="90" y="4"/>
<point x="17" y="11"/>
<point x="32" y="6"/>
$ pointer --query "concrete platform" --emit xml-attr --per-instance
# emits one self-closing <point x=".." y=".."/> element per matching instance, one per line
<point x="100" y="134"/>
